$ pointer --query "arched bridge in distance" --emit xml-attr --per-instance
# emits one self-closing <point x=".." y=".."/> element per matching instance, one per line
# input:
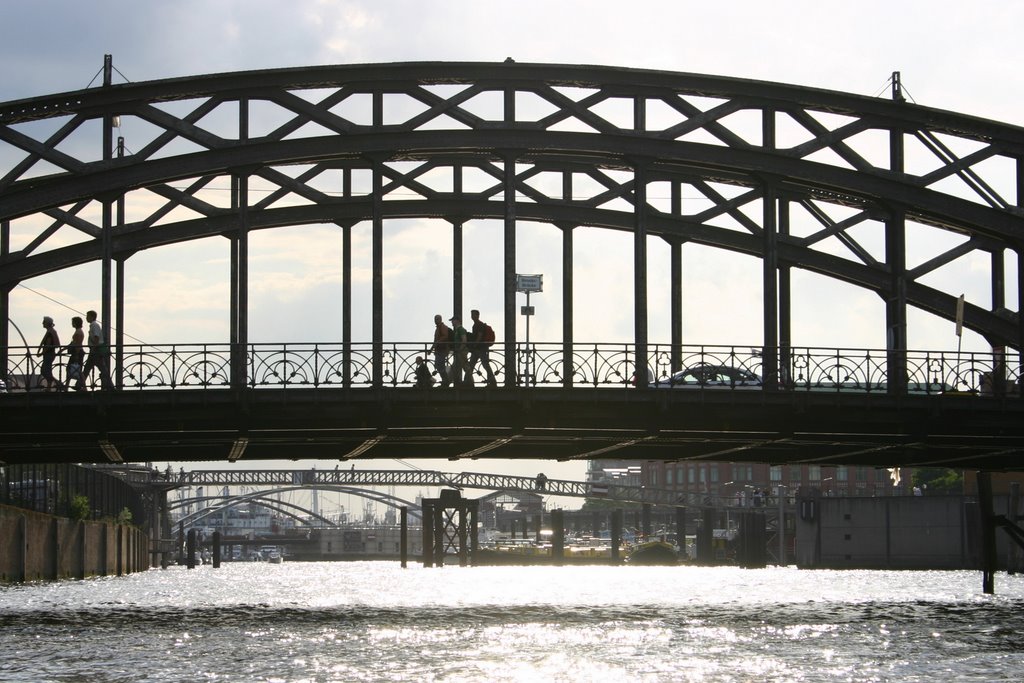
<point x="261" y="486"/>
<point x="576" y="147"/>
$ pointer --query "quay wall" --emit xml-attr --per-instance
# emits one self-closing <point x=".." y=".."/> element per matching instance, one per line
<point x="908" y="532"/>
<point x="38" y="547"/>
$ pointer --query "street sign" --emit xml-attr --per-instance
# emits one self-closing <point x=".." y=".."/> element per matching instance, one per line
<point x="526" y="310"/>
<point x="529" y="283"/>
<point x="960" y="316"/>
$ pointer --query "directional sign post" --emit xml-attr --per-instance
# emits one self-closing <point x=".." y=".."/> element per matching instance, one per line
<point x="528" y="284"/>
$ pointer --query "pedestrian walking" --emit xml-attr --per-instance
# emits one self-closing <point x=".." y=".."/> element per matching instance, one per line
<point x="76" y="354"/>
<point x="460" y="348"/>
<point x="440" y="349"/>
<point x="481" y="339"/>
<point x="48" y="348"/>
<point x="98" y="353"/>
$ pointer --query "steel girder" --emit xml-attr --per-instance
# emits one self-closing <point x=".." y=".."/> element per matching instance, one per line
<point x="573" y="140"/>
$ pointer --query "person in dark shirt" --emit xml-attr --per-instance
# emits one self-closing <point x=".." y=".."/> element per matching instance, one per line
<point x="480" y="349"/>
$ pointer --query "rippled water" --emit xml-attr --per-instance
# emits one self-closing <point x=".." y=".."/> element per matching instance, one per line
<point x="374" y="621"/>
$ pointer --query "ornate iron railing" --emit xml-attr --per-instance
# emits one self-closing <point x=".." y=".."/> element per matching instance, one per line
<point x="331" y="365"/>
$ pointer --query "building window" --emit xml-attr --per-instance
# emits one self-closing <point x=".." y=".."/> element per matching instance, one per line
<point x="703" y="474"/>
<point x="691" y="473"/>
<point x="861" y="473"/>
<point x="714" y="474"/>
<point x="814" y="473"/>
<point x="775" y="473"/>
<point x="654" y="477"/>
<point x="794" y="473"/>
<point x="668" y="476"/>
<point x="842" y="473"/>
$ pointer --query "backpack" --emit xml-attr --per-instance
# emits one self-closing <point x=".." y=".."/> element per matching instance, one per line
<point x="488" y="335"/>
<point x="449" y="337"/>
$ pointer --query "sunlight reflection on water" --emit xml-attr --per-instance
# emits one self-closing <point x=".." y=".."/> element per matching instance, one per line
<point x="375" y="621"/>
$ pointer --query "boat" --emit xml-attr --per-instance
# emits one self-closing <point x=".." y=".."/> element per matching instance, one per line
<point x="653" y="553"/>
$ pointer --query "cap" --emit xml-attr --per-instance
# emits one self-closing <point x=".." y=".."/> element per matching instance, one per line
<point x="47" y="320"/>
<point x="454" y="318"/>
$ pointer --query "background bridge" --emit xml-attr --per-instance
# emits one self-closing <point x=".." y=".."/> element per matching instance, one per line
<point x="804" y="180"/>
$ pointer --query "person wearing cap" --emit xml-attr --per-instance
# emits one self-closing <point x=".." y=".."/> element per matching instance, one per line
<point x="48" y="350"/>
<point x="460" y="361"/>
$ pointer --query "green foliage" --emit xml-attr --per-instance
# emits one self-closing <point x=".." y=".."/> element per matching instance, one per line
<point x="939" y="480"/>
<point x="80" y="508"/>
<point x="124" y="516"/>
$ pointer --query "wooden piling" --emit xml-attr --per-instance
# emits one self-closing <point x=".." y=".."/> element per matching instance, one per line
<point x="988" y="534"/>
<point x="190" y="549"/>
<point x="403" y="517"/>
<point x="616" y="534"/>
<point x="216" y="550"/>
<point x="428" y="534"/>
<point x="558" y="536"/>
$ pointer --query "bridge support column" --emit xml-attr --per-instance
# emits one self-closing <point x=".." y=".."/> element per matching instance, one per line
<point x="403" y="535"/>
<point x="896" y="260"/>
<point x="988" y="533"/>
<point x="452" y="516"/>
<point x="681" y="528"/>
<point x="509" y="267"/>
<point x="616" y="534"/>
<point x="558" y="536"/>
<point x="641" y="362"/>
<point x="568" y="369"/>
<point x="427" y="555"/>
<point x="706" y="536"/>
<point x="190" y="549"/>
<point x="752" y="552"/>
<point x="216" y="550"/>
<point x="1013" y="515"/>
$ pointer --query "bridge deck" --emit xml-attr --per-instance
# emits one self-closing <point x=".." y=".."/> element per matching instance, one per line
<point x="508" y="422"/>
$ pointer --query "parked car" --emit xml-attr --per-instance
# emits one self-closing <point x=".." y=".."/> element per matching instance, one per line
<point x="709" y="376"/>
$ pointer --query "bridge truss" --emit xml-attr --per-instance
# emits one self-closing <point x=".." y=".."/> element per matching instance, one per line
<point x="286" y="479"/>
<point x="797" y="177"/>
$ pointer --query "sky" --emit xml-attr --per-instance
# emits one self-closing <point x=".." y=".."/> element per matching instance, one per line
<point x="952" y="55"/>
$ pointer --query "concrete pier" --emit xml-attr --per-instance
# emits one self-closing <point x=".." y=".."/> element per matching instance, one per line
<point x="40" y="547"/>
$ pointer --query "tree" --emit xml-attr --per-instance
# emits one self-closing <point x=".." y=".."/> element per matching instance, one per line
<point x="938" y="480"/>
<point x="80" y="508"/>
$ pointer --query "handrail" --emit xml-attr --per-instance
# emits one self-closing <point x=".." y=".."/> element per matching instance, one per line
<point x="595" y="365"/>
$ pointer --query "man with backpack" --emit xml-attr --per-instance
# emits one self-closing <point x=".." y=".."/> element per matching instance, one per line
<point x="481" y="338"/>
<point x="440" y="348"/>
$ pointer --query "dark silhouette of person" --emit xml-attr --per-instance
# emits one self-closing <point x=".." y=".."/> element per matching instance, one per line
<point x="48" y="347"/>
<point x="480" y="350"/>
<point x="440" y="349"/>
<point x="423" y="378"/>
<point x="76" y="353"/>
<point x="460" y="358"/>
<point x="98" y="353"/>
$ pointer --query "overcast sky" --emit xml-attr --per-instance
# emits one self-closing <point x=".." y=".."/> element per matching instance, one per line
<point x="964" y="57"/>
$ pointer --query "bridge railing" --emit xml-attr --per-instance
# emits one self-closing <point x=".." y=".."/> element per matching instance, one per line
<point x="598" y="365"/>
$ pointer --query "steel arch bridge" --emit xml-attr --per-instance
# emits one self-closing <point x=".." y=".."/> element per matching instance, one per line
<point x="574" y="146"/>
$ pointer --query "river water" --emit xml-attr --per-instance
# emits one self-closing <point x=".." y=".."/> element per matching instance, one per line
<point x="373" y="621"/>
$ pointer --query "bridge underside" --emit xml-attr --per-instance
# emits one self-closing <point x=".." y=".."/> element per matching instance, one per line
<point x="772" y="427"/>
